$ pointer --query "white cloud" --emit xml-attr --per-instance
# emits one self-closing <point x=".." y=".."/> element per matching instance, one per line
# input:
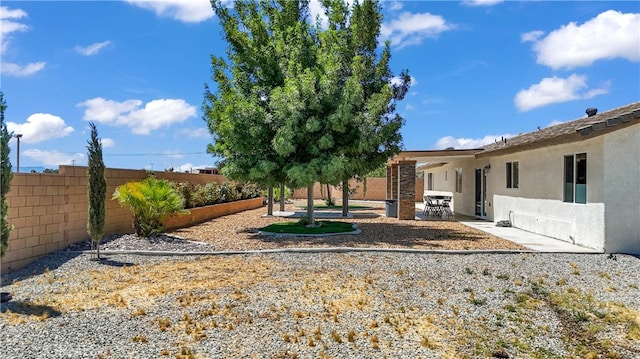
<point x="54" y="158"/>
<point x="92" y="49"/>
<point x="395" y="5"/>
<point x="107" y="142"/>
<point x="396" y="81"/>
<point x="159" y="113"/>
<point x="410" y="29"/>
<point x="40" y="127"/>
<point x="556" y="90"/>
<point x="481" y="2"/>
<point x="409" y="107"/>
<point x="154" y="115"/>
<point x="555" y="122"/>
<point x="194" y="133"/>
<point x="183" y="10"/>
<point x="462" y="143"/>
<point x="173" y="154"/>
<point x="8" y="26"/>
<point x="107" y="111"/>
<point x="12" y="69"/>
<point x="609" y="35"/>
<point x="531" y="36"/>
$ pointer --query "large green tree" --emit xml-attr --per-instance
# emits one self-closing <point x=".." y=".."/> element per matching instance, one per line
<point x="96" y="190"/>
<point x="5" y="178"/>
<point x="301" y="103"/>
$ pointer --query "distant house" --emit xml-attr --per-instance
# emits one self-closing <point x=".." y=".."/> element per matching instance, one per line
<point x="578" y="181"/>
<point x="208" y="171"/>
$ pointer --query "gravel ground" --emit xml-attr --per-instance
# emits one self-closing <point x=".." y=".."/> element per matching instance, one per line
<point x="332" y="305"/>
<point x="315" y="305"/>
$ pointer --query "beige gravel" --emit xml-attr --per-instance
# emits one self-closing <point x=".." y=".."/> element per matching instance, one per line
<point x="240" y="232"/>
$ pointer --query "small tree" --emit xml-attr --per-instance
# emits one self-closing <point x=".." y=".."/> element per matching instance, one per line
<point x="150" y="201"/>
<point x="5" y="178"/>
<point x="96" y="190"/>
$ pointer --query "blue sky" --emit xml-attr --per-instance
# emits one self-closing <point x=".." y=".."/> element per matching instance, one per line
<point x="481" y="70"/>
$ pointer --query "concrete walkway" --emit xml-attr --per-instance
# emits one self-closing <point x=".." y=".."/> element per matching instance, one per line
<point x="536" y="242"/>
<point x="530" y="240"/>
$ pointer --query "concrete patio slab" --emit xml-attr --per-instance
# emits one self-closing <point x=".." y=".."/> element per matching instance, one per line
<point x="533" y="241"/>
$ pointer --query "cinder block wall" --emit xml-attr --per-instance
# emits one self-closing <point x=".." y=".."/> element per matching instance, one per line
<point x="49" y="211"/>
<point x="376" y="190"/>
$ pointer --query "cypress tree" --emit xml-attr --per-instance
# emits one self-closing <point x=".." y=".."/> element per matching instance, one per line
<point x="97" y="190"/>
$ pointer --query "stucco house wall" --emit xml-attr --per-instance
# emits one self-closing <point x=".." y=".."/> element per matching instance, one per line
<point x="537" y="204"/>
<point x="622" y="192"/>
<point x="444" y="183"/>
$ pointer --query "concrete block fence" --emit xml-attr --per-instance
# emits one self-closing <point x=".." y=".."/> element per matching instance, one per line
<point x="376" y="191"/>
<point x="49" y="210"/>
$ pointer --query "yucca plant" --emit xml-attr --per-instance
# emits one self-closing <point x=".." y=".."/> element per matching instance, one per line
<point x="150" y="201"/>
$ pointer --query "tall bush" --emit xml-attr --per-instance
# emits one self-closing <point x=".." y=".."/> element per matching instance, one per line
<point x="150" y="201"/>
<point x="96" y="190"/>
<point x="5" y="178"/>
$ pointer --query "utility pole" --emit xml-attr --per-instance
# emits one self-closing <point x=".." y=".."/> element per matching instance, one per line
<point x="18" y="136"/>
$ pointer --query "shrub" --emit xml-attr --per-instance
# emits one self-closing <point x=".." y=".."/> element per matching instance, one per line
<point x="276" y="193"/>
<point x="212" y="193"/>
<point x="150" y="201"/>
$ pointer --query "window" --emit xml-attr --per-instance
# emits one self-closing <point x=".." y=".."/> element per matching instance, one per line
<point x="430" y="181"/>
<point x="512" y="175"/>
<point x="575" y="178"/>
<point x="459" y="180"/>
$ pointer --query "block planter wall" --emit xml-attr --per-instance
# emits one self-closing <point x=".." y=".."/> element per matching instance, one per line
<point x="202" y="214"/>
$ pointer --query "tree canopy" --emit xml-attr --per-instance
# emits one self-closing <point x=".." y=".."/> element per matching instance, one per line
<point x="302" y="103"/>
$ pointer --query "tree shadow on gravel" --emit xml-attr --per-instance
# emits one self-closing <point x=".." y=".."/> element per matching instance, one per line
<point x="412" y="235"/>
<point x="28" y="308"/>
<point x="113" y="263"/>
<point x="47" y="263"/>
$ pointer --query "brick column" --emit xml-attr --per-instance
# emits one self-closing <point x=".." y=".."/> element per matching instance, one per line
<point x="407" y="190"/>
<point x="394" y="181"/>
<point x="389" y="186"/>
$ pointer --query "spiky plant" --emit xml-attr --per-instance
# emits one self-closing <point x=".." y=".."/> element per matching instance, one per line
<point x="150" y="201"/>
<point x="96" y="190"/>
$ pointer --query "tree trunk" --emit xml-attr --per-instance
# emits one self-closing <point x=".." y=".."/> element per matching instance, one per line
<point x="270" y="202"/>
<point x="345" y="198"/>
<point x="310" y="204"/>
<point x="281" y="197"/>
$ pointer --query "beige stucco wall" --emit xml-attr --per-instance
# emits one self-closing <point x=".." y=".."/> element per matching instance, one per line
<point x="537" y="205"/>
<point x="444" y="183"/>
<point x="622" y="193"/>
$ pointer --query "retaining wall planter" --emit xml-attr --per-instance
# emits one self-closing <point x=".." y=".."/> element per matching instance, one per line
<point x="202" y="214"/>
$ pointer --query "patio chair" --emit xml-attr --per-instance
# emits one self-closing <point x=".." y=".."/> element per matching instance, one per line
<point x="446" y="207"/>
<point x="430" y="208"/>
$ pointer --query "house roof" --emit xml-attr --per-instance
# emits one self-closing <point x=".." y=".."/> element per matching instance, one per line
<point x="429" y="156"/>
<point x="572" y="131"/>
<point x="569" y="131"/>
